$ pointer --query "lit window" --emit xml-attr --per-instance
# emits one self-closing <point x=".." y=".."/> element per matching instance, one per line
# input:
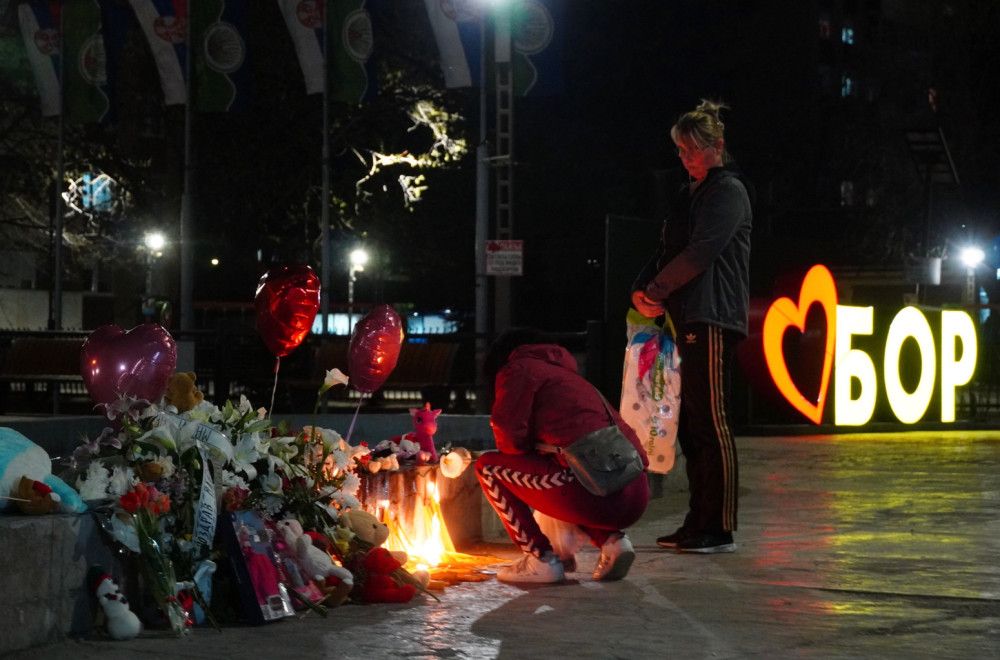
<point x="847" y="86"/>
<point x="847" y="193"/>
<point x="847" y="35"/>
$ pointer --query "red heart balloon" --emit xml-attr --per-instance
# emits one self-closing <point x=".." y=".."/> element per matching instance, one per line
<point x="286" y="303"/>
<point x="137" y="363"/>
<point x="374" y="348"/>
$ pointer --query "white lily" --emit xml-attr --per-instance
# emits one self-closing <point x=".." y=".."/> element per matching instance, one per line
<point x="245" y="454"/>
<point x="272" y="484"/>
<point x="163" y="435"/>
<point x="281" y="451"/>
<point x="334" y="377"/>
<point x="244" y="406"/>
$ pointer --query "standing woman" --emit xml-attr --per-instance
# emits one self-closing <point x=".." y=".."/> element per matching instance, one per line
<point x="539" y="397"/>
<point x="701" y="277"/>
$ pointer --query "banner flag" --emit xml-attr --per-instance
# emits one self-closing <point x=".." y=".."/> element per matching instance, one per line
<point x="350" y="64"/>
<point x="15" y="69"/>
<point x="39" y="23"/>
<point x="537" y="29"/>
<point x="458" y="33"/>
<point x="85" y="82"/>
<point x="164" y="22"/>
<point x="304" y="19"/>
<point x="116" y="19"/>
<point x="221" y="72"/>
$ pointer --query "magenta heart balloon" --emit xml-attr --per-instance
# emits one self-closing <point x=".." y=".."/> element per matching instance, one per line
<point x="374" y="348"/>
<point x="136" y="364"/>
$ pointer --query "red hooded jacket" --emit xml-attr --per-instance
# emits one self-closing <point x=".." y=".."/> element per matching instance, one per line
<point x="540" y="397"/>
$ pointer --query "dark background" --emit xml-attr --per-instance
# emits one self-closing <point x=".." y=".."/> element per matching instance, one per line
<point x="818" y="123"/>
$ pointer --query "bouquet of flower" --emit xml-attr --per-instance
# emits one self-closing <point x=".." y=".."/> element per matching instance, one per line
<point x="144" y="507"/>
<point x="208" y="456"/>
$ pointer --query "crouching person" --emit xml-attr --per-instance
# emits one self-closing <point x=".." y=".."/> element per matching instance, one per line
<point x="540" y="398"/>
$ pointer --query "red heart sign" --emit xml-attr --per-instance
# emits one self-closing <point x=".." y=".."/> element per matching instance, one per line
<point x="286" y="303"/>
<point x="817" y="287"/>
<point x="137" y="363"/>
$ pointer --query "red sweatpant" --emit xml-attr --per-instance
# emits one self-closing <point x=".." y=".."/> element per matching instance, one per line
<point x="517" y="483"/>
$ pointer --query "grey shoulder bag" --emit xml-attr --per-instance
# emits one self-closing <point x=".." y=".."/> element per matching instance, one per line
<point x="603" y="461"/>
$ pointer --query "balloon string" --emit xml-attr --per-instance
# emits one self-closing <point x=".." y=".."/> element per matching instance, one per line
<point x="350" y="429"/>
<point x="274" y="388"/>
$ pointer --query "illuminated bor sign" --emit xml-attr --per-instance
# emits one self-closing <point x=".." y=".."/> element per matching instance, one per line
<point x="855" y="374"/>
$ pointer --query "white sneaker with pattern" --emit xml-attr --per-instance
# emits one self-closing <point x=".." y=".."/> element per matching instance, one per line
<point x="532" y="569"/>
<point x="617" y="556"/>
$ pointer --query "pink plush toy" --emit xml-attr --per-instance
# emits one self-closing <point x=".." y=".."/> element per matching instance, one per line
<point x="425" y="426"/>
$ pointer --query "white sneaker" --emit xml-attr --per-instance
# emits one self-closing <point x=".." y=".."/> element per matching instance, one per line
<point x="617" y="556"/>
<point x="532" y="569"/>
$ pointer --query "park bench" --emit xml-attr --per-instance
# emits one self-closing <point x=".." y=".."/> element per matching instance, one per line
<point x="42" y="375"/>
<point x="422" y="374"/>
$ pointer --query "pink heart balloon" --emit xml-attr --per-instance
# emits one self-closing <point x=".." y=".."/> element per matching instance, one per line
<point x="374" y="348"/>
<point x="137" y="363"/>
<point x="286" y="302"/>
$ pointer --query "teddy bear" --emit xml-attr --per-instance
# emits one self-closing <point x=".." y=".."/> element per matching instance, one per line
<point x="335" y="581"/>
<point x="35" y="497"/>
<point x="20" y="457"/>
<point x="379" y="573"/>
<point x="182" y="393"/>
<point x="120" y="621"/>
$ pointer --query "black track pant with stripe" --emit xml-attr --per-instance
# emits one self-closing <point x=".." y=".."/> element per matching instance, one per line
<point x="705" y="435"/>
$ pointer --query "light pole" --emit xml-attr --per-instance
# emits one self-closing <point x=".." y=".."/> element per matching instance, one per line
<point x="154" y="242"/>
<point x="358" y="258"/>
<point x="971" y="256"/>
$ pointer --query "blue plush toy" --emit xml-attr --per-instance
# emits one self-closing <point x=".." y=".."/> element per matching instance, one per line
<point x="20" y="457"/>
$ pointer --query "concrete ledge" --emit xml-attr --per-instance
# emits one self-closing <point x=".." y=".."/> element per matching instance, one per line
<point x="46" y="558"/>
<point x="45" y="567"/>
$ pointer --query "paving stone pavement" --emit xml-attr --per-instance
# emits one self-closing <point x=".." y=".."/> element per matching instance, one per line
<point x="850" y="546"/>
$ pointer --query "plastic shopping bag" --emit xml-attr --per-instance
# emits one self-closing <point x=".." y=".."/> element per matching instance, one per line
<point x="566" y="538"/>
<point x="651" y="388"/>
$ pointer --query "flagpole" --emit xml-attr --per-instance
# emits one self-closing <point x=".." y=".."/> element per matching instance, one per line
<point x="186" y="220"/>
<point x="482" y="213"/>
<point x="55" y="303"/>
<point x="324" y="299"/>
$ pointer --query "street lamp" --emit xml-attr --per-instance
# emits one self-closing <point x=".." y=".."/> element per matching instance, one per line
<point x="154" y="242"/>
<point x="358" y="258"/>
<point x="971" y="256"/>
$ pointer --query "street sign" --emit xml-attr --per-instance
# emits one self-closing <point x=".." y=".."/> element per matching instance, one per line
<point x="504" y="257"/>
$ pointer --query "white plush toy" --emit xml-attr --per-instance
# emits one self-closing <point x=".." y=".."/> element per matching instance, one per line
<point x="317" y="562"/>
<point x="20" y="457"/>
<point x="121" y="622"/>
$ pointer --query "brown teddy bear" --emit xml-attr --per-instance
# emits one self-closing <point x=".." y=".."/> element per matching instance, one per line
<point x="35" y="498"/>
<point x="182" y="393"/>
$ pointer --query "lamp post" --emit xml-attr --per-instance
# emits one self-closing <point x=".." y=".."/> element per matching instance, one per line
<point x="154" y="242"/>
<point x="971" y="256"/>
<point x="358" y="258"/>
